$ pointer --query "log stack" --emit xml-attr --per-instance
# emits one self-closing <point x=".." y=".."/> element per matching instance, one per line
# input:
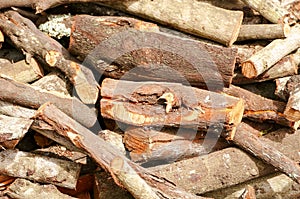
<point x="149" y="99"/>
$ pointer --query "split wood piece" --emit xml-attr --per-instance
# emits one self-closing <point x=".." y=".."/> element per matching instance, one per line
<point x="141" y="55"/>
<point x="106" y="188"/>
<point x="270" y="186"/>
<point x="280" y="90"/>
<point x="114" y="139"/>
<point x="245" y="138"/>
<point x="271" y="54"/>
<point x="12" y="130"/>
<point x="263" y="31"/>
<point x="169" y="104"/>
<point x="249" y="193"/>
<point x="27" y="37"/>
<point x="245" y="51"/>
<point x="103" y="153"/>
<point x="292" y="110"/>
<point x="271" y="10"/>
<point x="10" y="109"/>
<point x="100" y="28"/>
<point x="126" y="175"/>
<point x="261" y="109"/>
<point x="20" y="189"/>
<point x="285" y="67"/>
<point x="54" y="82"/>
<point x="158" y="147"/>
<point x="39" y="168"/>
<point x="42" y="141"/>
<point x="33" y="97"/>
<point x="21" y="71"/>
<point x="240" y="166"/>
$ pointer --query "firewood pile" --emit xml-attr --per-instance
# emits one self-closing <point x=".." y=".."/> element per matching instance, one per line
<point x="149" y="99"/>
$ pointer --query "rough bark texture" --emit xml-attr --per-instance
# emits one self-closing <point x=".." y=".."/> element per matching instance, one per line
<point x="271" y="54"/>
<point x="102" y="152"/>
<point x="156" y="147"/>
<point x="20" y="189"/>
<point x="261" y="109"/>
<point x="263" y="31"/>
<point x="33" y="97"/>
<point x="21" y="71"/>
<point x="245" y="138"/>
<point x="140" y="55"/>
<point x="170" y="104"/>
<point x="12" y="130"/>
<point x="207" y="173"/>
<point x="27" y="37"/>
<point x="39" y="168"/>
<point x="10" y="109"/>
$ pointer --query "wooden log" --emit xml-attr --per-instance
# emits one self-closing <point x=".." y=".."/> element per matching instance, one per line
<point x="156" y="147"/>
<point x="270" y="186"/>
<point x="10" y="109"/>
<point x="21" y="71"/>
<point x="285" y="67"/>
<point x="12" y="130"/>
<point x="27" y="37"/>
<point x="137" y="55"/>
<point x="263" y="31"/>
<point x="280" y="90"/>
<point x="54" y="82"/>
<point x="271" y="10"/>
<point x="20" y="189"/>
<point x="39" y="168"/>
<point x="106" y="188"/>
<point x="169" y="104"/>
<point x="33" y="97"/>
<point x="114" y="139"/>
<point x="292" y="109"/>
<point x="261" y="109"/>
<point x="249" y="193"/>
<point x="102" y="152"/>
<point x="251" y="143"/>
<point x="271" y="54"/>
<point x="233" y="166"/>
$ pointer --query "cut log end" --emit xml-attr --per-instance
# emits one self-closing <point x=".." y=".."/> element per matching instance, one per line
<point x="249" y="70"/>
<point x="237" y="115"/>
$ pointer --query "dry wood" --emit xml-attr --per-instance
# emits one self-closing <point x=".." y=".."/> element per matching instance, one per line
<point x="106" y="188"/>
<point x="33" y="97"/>
<point x="292" y="110"/>
<point x="21" y="71"/>
<point x="12" y="130"/>
<point x="140" y="55"/>
<point x="231" y="165"/>
<point x="271" y="10"/>
<point x="20" y="189"/>
<point x="245" y="138"/>
<point x="168" y="145"/>
<point x="261" y="109"/>
<point x="27" y="37"/>
<point x="270" y="186"/>
<point x="263" y="31"/>
<point x="227" y="4"/>
<point x="114" y="139"/>
<point x="10" y="109"/>
<point x="285" y="67"/>
<point x="131" y="180"/>
<point x="271" y="54"/>
<point x="1" y="37"/>
<point x="102" y="152"/>
<point x="54" y="82"/>
<point x="249" y="193"/>
<point x="39" y="168"/>
<point x="280" y="90"/>
<point x="170" y="104"/>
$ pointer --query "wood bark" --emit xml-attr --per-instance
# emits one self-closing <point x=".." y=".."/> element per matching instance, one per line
<point x="10" y="109"/>
<point x="285" y="67"/>
<point x="20" y="189"/>
<point x="33" y="97"/>
<point x="27" y="37"/>
<point x="114" y="139"/>
<point x="12" y="130"/>
<point x="170" y="104"/>
<point x="271" y="10"/>
<point x="261" y="109"/>
<point x="263" y="31"/>
<point x="292" y="110"/>
<point x="240" y="166"/>
<point x="21" y="71"/>
<point x="102" y="152"/>
<point x="39" y="168"/>
<point x="271" y="54"/>
<point x="118" y="51"/>
<point x="156" y="147"/>
<point x="245" y="138"/>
